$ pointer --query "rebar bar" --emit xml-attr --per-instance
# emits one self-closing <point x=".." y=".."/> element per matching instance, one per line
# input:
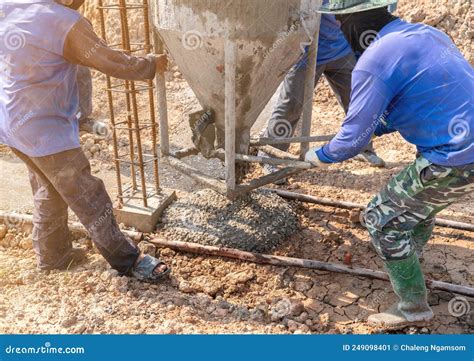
<point x="132" y="124"/>
<point x="111" y="107"/>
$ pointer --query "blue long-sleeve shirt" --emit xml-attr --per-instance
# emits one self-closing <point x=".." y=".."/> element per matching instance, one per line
<point x="413" y="80"/>
<point x="332" y="43"/>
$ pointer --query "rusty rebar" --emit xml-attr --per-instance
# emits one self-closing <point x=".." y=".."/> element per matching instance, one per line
<point x="111" y="108"/>
<point x="133" y="95"/>
<point x="125" y="46"/>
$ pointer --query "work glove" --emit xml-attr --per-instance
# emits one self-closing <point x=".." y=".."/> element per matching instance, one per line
<point x="312" y="157"/>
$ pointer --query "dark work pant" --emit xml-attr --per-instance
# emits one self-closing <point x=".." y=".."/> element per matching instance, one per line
<point x="64" y="180"/>
<point x="289" y="109"/>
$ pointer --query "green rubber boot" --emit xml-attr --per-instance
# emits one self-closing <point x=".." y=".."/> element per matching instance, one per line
<point x="409" y="285"/>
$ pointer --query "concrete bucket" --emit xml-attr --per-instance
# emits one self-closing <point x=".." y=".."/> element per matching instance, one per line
<point x="268" y="35"/>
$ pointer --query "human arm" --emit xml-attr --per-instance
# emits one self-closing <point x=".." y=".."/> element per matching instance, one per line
<point x="83" y="46"/>
<point x="370" y="99"/>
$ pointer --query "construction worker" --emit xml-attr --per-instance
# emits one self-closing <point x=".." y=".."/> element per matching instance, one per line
<point x="336" y="62"/>
<point x="41" y="44"/>
<point x="411" y="78"/>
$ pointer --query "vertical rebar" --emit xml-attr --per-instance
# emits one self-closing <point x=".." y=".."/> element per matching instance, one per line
<point x="125" y="47"/>
<point x="111" y="110"/>
<point x="124" y="18"/>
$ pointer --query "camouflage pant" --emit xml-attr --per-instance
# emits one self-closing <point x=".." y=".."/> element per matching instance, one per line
<point x="401" y="217"/>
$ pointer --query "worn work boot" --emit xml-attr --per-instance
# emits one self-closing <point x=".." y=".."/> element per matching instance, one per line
<point x="369" y="156"/>
<point x="409" y="285"/>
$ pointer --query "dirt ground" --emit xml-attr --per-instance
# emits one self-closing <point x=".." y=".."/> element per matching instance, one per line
<point x="214" y="295"/>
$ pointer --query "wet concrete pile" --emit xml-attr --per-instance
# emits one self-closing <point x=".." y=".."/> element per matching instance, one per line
<point x="257" y="222"/>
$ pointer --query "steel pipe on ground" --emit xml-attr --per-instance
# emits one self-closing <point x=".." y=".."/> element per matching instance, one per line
<point x="349" y="205"/>
<point x="298" y="262"/>
<point x="17" y="218"/>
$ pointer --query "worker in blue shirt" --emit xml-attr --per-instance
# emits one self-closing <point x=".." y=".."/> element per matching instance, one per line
<point x="336" y="62"/>
<point x="411" y="79"/>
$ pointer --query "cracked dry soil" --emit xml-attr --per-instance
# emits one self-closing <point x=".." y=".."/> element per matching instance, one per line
<point x="214" y="295"/>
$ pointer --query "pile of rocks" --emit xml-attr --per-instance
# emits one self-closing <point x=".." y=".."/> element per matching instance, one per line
<point x="11" y="238"/>
<point x="257" y="222"/>
<point x="91" y="144"/>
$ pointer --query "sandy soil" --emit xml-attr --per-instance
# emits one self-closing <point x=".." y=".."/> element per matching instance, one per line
<point x="213" y="295"/>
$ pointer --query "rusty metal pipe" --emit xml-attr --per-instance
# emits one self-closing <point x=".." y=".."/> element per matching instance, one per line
<point x="17" y="219"/>
<point x="298" y="262"/>
<point x="349" y="205"/>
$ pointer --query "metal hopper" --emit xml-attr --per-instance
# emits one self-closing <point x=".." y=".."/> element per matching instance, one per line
<point x="234" y="54"/>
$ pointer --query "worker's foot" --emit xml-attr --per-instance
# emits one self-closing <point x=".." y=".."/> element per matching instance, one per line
<point x="74" y="257"/>
<point x="369" y="156"/>
<point x="270" y="169"/>
<point x="149" y="269"/>
<point x="394" y="319"/>
<point x="94" y="127"/>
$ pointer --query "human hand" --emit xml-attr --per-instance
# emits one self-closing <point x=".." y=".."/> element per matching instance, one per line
<point x="312" y="157"/>
<point x="161" y="62"/>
